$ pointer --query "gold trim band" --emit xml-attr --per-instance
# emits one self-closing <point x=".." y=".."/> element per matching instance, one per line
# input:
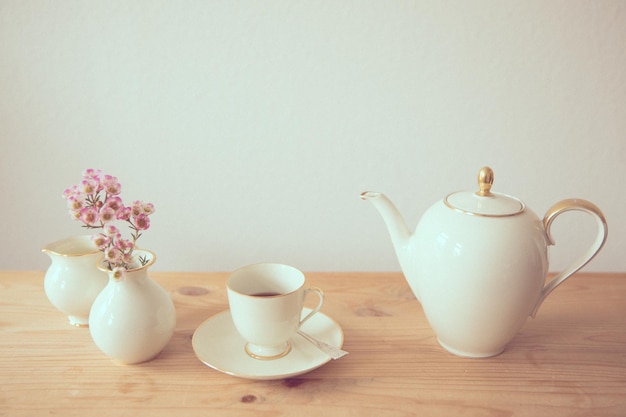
<point x="268" y="358"/>
<point x="470" y="213"/>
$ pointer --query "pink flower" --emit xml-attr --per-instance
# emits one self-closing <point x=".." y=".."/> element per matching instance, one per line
<point x="96" y="202"/>
<point x="89" y="216"/>
<point x="118" y="272"/>
<point x="72" y="191"/>
<point x="111" y="185"/>
<point x="107" y="214"/>
<point x="91" y="173"/>
<point x="75" y="215"/>
<point x="89" y="186"/>
<point x="124" y="244"/>
<point x="101" y="241"/>
<point x="148" y="208"/>
<point x="142" y="222"/>
<point x="124" y="214"/>
<point x="141" y="207"/>
<point x="127" y="258"/>
<point x="136" y="208"/>
<point x="112" y="230"/>
<point x="112" y="254"/>
<point x="75" y="202"/>
<point x="114" y="203"/>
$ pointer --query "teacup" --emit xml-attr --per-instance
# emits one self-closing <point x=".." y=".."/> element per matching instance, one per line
<point x="266" y="302"/>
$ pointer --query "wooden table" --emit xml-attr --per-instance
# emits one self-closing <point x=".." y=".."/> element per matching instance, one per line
<point x="570" y="361"/>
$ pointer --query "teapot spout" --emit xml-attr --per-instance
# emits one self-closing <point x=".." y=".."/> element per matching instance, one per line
<point x="398" y="230"/>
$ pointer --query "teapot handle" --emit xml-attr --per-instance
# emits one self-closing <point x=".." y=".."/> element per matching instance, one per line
<point x="552" y="213"/>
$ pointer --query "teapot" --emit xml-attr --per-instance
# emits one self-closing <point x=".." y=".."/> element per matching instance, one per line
<point x="478" y="262"/>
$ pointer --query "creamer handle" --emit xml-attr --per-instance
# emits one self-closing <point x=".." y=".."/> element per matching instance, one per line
<point x="551" y="215"/>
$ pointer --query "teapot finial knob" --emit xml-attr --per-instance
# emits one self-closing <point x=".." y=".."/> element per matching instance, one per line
<point x="485" y="180"/>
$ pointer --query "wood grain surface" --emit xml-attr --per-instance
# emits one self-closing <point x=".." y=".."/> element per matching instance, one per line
<point x="569" y="361"/>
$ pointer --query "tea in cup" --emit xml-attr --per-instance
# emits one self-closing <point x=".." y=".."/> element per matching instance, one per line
<point x="266" y="302"/>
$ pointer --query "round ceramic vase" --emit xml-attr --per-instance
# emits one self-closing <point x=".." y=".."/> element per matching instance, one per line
<point x="133" y="318"/>
<point x="72" y="282"/>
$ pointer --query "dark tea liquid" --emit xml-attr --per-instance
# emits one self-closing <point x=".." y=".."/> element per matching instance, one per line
<point x="265" y="294"/>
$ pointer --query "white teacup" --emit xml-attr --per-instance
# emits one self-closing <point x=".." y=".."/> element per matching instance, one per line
<point x="266" y="302"/>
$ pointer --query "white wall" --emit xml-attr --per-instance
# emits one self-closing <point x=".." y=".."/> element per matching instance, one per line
<point x="253" y="126"/>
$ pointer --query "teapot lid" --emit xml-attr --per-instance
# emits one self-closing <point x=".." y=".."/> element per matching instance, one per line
<point x="484" y="202"/>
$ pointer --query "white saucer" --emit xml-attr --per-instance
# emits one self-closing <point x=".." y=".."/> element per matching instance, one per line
<point x="218" y="345"/>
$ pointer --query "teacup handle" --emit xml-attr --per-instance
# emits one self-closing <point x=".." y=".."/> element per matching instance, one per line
<point x="552" y="213"/>
<point x="320" y="294"/>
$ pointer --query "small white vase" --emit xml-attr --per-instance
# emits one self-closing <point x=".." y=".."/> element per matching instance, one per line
<point x="72" y="282"/>
<point x="133" y="318"/>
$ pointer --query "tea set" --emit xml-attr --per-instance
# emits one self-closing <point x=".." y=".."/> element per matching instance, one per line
<point x="477" y="262"/>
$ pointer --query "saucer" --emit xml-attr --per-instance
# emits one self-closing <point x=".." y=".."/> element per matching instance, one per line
<point x="218" y="345"/>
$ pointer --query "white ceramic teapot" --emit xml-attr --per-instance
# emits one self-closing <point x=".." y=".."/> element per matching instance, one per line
<point x="478" y="261"/>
